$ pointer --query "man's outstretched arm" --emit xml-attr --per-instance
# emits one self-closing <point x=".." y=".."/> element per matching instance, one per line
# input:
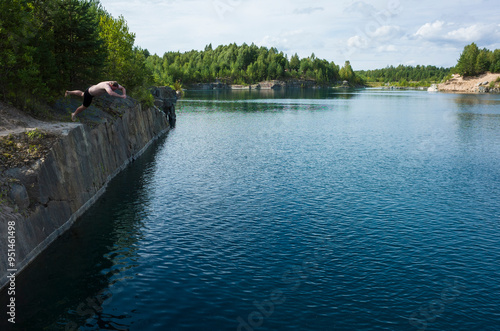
<point x="114" y="94"/>
<point x="124" y="92"/>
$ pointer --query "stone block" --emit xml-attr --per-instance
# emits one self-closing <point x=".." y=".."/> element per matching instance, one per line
<point x="19" y="195"/>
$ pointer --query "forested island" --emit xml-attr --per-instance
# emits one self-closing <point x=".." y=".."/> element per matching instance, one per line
<point x="47" y="47"/>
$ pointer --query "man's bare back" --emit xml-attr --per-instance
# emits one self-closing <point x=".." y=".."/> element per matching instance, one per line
<point x="95" y="91"/>
<point x="104" y="87"/>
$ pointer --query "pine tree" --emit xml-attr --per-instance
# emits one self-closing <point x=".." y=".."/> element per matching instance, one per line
<point x="466" y="65"/>
<point x="346" y="73"/>
<point x="482" y="61"/>
<point x="294" y="62"/>
<point x="78" y="49"/>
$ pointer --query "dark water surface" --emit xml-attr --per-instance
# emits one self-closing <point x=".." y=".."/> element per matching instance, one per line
<point x="313" y="210"/>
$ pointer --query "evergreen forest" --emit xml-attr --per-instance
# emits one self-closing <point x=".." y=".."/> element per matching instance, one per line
<point x="406" y="75"/>
<point x="245" y="64"/>
<point x="474" y="61"/>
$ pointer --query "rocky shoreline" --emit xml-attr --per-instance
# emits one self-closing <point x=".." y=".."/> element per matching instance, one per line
<point x="485" y="83"/>
<point x="264" y="85"/>
<point x="52" y="172"/>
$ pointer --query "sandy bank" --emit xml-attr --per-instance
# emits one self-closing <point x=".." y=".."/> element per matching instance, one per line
<point x="468" y="84"/>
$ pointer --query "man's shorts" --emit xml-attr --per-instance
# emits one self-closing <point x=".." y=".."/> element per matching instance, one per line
<point x="87" y="98"/>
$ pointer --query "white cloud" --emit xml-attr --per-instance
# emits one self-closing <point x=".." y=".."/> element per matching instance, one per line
<point x="431" y="30"/>
<point x="440" y="31"/>
<point x="357" y="42"/>
<point x="469" y="34"/>
<point x="386" y="31"/>
<point x="375" y="39"/>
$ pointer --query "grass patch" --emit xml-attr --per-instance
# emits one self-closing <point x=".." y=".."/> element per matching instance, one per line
<point x="25" y="148"/>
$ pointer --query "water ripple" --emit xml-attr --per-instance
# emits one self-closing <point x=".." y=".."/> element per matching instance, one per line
<point x="368" y="211"/>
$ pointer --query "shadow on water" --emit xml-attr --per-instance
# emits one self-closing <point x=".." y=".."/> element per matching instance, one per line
<point x="78" y="272"/>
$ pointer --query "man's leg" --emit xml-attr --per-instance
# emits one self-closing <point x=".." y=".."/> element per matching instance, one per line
<point x="78" y="93"/>
<point x="77" y="111"/>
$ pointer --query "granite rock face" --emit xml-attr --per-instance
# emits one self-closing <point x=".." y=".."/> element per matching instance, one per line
<point x="59" y="188"/>
<point x="20" y="196"/>
<point x="165" y="99"/>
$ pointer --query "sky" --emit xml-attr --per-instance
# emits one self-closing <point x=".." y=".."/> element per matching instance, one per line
<point x="371" y="34"/>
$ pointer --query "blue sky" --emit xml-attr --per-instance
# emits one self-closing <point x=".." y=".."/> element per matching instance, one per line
<point x="370" y="34"/>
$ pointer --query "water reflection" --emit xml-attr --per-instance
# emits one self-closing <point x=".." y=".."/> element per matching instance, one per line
<point x="90" y="266"/>
<point x="465" y="101"/>
<point x="264" y="100"/>
<point x="231" y="95"/>
<point x="476" y="113"/>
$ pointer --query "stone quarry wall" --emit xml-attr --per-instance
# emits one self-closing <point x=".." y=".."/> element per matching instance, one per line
<point x="60" y="187"/>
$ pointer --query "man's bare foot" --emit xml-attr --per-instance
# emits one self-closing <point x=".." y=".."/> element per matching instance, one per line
<point x="73" y="117"/>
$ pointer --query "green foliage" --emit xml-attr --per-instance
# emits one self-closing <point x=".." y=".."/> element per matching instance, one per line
<point x="347" y="74"/>
<point x="49" y="46"/>
<point x="466" y="65"/>
<point x="19" y="72"/>
<point x="177" y="86"/>
<point x="145" y="97"/>
<point x="124" y="62"/>
<point x="78" y="49"/>
<point x="482" y="61"/>
<point x="35" y="134"/>
<point x="495" y="61"/>
<point x="406" y="75"/>
<point x="474" y="61"/>
<point x="119" y="44"/>
<point x="46" y="47"/>
<point x="245" y="64"/>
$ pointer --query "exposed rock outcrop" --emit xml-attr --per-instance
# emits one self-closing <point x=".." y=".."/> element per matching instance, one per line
<point x="47" y="196"/>
<point x="477" y="84"/>
<point x="433" y="88"/>
<point x="165" y="98"/>
<point x="264" y="85"/>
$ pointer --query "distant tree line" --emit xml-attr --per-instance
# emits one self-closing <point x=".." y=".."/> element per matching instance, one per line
<point x="48" y="46"/>
<point x="405" y="75"/>
<point x="244" y="64"/>
<point x="474" y="61"/>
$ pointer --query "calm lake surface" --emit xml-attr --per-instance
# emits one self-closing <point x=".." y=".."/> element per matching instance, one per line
<point x="307" y="210"/>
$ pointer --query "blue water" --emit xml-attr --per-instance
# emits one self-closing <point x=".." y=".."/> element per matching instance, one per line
<point x="306" y="210"/>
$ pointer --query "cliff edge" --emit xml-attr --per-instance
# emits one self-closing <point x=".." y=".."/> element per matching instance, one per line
<point x="52" y="172"/>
